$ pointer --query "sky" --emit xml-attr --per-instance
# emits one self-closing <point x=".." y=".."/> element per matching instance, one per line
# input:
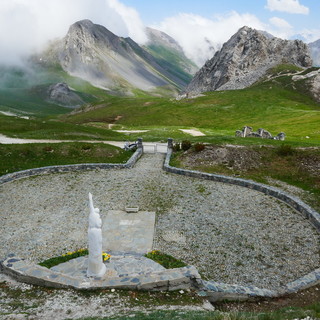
<point x="199" y="26"/>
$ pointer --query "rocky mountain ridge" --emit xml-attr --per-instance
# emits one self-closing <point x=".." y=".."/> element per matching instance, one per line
<point x="93" y="53"/>
<point x="244" y="59"/>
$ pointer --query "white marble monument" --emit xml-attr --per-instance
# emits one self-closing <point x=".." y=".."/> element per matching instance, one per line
<point x="96" y="267"/>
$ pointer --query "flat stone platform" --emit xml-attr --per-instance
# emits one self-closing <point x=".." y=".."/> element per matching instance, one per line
<point x="118" y="266"/>
<point x="128" y="232"/>
<point x="125" y="271"/>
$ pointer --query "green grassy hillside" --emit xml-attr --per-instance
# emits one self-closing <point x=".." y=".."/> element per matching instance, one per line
<point x="274" y="105"/>
<point x="172" y="61"/>
<point x="24" y="89"/>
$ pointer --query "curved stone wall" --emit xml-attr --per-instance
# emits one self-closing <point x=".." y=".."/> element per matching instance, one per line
<point x="292" y="201"/>
<point x="72" y="167"/>
<point x="214" y="291"/>
<point x="220" y="291"/>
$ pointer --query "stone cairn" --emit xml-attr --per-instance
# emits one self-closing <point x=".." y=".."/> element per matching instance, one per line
<point x="260" y="133"/>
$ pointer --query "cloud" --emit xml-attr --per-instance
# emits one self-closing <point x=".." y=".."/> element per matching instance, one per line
<point x="310" y="35"/>
<point x="280" y="28"/>
<point x="131" y="19"/>
<point x="289" y="6"/>
<point x="280" y="23"/>
<point x="201" y="37"/>
<point x="27" y="25"/>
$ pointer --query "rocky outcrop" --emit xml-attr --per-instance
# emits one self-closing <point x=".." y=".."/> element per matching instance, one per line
<point x="95" y="54"/>
<point x="315" y="87"/>
<point x="61" y="94"/>
<point x="260" y="133"/>
<point x="312" y="80"/>
<point x="245" y="58"/>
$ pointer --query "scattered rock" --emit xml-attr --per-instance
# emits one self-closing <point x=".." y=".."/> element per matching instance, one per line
<point x="261" y="133"/>
<point x="61" y="93"/>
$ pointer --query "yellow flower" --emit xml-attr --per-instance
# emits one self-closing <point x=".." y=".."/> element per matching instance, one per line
<point x="105" y="256"/>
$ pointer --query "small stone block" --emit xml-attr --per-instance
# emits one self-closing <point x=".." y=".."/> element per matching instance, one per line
<point x="132" y="209"/>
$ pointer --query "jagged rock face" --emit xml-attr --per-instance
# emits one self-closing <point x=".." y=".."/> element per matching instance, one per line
<point x="244" y="59"/>
<point x="93" y="53"/>
<point x="315" y="87"/>
<point x="312" y="79"/>
<point x="61" y="94"/>
<point x="315" y="52"/>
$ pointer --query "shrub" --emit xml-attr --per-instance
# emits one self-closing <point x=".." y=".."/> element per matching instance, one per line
<point x="198" y="147"/>
<point x="86" y="147"/>
<point x="185" y="145"/>
<point x="176" y="147"/>
<point x="285" y="150"/>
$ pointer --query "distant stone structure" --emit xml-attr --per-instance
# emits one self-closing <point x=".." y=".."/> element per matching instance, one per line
<point x="260" y="133"/>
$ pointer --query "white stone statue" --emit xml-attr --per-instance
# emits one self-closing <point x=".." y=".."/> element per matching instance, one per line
<point x="96" y="267"/>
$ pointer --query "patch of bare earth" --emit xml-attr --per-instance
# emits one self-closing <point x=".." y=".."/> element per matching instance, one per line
<point x="232" y="158"/>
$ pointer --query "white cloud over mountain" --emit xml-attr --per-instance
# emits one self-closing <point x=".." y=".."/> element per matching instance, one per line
<point x="27" y="25"/>
<point x="199" y="36"/>
<point x="289" y="6"/>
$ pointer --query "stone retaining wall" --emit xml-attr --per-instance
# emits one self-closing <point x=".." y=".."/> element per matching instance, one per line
<point x="73" y="167"/>
<point x="220" y="291"/>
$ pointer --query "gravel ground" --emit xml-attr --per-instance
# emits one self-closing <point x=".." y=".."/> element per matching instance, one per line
<point x="231" y="234"/>
<point x="26" y="302"/>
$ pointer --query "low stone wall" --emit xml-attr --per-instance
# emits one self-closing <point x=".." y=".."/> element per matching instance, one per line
<point x="166" y="280"/>
<point x="220" y="291"/>
<point x="293" y="202"/>
<point x="72" y="167"/>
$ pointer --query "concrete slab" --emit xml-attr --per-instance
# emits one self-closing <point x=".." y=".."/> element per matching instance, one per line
<point x="128" y="232"/>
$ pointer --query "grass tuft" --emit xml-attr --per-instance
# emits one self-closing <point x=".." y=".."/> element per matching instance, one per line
<point x="165" y="260"/>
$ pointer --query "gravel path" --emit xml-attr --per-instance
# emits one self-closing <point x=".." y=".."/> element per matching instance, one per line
<point x="231" y="234"/>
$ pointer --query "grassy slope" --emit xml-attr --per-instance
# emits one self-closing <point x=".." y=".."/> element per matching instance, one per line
<point x="26" y="156"/>
<point x="273" y="105"/>
<point x="25" y="89"/>
<point x="171" y="60"/>
<point x="50" y="129"/>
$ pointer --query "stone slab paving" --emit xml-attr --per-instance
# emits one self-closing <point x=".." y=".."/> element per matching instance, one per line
<point x="123" y="272"/>
<point x="119" y="266"/>
<point x="128" y="232"/>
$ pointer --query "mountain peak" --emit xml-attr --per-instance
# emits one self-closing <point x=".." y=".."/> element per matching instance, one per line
<point x="161" y="38"/>
<point x="92" y="52"/>
<point x="245" y="58"/>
